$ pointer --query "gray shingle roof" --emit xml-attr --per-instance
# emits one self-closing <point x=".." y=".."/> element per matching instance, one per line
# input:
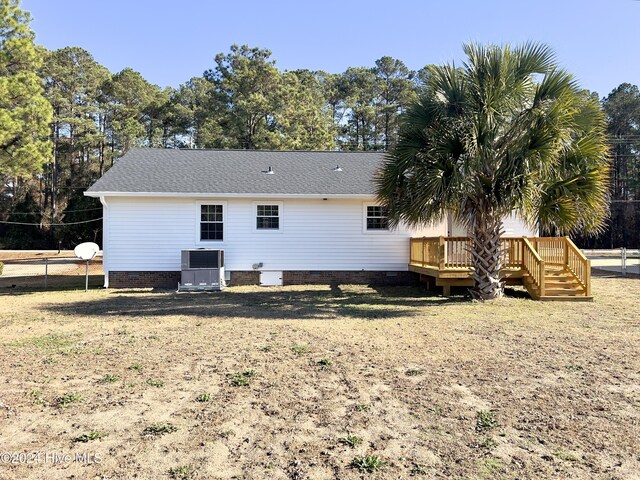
<point x="165" y="171"/>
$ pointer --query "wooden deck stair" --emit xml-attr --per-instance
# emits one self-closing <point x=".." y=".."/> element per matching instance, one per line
<point x="550" y="268"/>
<point x="560" y="284"/>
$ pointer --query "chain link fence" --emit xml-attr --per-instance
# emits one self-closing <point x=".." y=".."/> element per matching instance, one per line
<point x="47" y="270"/>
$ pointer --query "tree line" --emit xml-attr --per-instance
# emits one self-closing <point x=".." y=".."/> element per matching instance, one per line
<point x="66" y="118"/>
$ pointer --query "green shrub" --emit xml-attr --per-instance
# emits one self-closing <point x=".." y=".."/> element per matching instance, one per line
<point x="368" y="463"/>
<point x="351" y="440"/>
<point x="155" y="383"/>
<point x="181" y="473"/>
<point x="67" y="399"/>
<point x="241" y="379"/>
<point x="300" y="350"/>
<point x="485" y="420"/>
<point x="109" y="378"/>
<point x="158" y="429"/>
<point x="203" y="397"/>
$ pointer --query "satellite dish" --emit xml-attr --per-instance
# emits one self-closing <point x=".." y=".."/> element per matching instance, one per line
<point x="86" y="251"/>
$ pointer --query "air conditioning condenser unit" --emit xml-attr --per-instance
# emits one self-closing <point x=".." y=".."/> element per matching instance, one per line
<point x="201" y="269"/>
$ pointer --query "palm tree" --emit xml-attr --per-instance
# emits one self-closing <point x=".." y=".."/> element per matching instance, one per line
<point x="509" y="132"/>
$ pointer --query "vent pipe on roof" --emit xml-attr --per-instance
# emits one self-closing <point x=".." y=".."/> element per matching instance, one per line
<point x="337" y="168"/>
<point x="269" y="171"/>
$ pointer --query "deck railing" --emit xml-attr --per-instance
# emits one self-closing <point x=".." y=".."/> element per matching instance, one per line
<point x="426" y="251"/>
<point x="579" y="265"/>
<point x="457" y="254"/>
<point x="534" y="266"/>
<point x="512" y="252"/>
<point x="529" y="255"/>
<point x="454" y="252"/>
<point x="551" y="249"/>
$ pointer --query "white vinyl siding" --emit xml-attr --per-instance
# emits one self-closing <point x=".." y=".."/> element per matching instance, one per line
<point x="513" y="227"/>
<point x="147" y="234"/>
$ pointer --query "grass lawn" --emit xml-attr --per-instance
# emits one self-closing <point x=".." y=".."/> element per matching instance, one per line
<point x="319" y="383"/>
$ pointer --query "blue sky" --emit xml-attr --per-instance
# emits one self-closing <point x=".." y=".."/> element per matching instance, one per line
<point x="171" y="41"/>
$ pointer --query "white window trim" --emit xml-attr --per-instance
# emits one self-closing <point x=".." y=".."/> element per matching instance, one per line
<point x="364" y="221"/>
<point x="254" y="217"/>
<point x="224" y="224"/>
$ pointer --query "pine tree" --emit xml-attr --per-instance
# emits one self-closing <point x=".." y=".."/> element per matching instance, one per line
<point x="24" y="111"/>
<point x="24" y="232"/>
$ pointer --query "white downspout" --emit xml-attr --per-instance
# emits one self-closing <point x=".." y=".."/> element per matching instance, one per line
<point x="105" y="240"/>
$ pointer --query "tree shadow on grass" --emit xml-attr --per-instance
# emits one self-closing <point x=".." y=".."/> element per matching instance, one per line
<point x="57" y="283"/>
<point x="511" y="292"/>
<point x="267" y="303"/>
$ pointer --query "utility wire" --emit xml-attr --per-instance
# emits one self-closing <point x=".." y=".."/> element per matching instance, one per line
<point x="60" y="212"/>
<point x="50" y="224"/>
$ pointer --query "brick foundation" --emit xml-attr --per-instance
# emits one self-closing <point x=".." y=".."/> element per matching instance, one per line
<point x="358" y="277"/>
<point x="252" y="277"/>
<point x="144" y="279"/>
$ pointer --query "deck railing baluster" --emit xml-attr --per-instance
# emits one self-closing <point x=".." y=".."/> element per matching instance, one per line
<point x="530" y="256"/>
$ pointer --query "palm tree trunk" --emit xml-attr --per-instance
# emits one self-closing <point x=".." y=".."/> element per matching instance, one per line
<point x="486" y="258"/>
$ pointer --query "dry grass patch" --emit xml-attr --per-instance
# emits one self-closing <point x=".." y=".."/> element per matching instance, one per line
<point x="319" y="383"/>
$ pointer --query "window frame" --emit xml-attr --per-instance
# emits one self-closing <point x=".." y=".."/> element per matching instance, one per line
<point x="254" y="217"/>
<point x="199" y="205"/>
<point x="365" y="216"/>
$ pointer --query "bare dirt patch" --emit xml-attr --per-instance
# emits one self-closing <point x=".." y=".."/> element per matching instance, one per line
<point x="319" y="383"/>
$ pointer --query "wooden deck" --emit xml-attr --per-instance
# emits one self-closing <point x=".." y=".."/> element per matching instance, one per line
<point x="551" y="268"/>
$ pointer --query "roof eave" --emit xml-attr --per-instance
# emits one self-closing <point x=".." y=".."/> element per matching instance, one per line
<point x="98" y="194"/>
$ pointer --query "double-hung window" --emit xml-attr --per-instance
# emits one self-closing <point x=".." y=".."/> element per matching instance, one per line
<point x="377" y="218"/>
<point x="268" y="217"/>
<point x="211" y="222"/>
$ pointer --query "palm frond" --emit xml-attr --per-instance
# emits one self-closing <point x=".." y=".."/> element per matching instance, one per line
<point x="509" y="131"/>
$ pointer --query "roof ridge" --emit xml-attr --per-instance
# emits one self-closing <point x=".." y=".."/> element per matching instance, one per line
<point x="262" y="150"/>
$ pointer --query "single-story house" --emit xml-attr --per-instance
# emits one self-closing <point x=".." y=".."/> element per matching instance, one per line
<point x="296" y="217"/>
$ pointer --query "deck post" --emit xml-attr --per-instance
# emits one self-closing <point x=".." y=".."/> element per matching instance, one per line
<point x="442" y="254"/>
<point x="588" y="278"/>
<point x="542" y="273"/>
<point x="446" y="290"/>
<point x="565" y="244"/>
